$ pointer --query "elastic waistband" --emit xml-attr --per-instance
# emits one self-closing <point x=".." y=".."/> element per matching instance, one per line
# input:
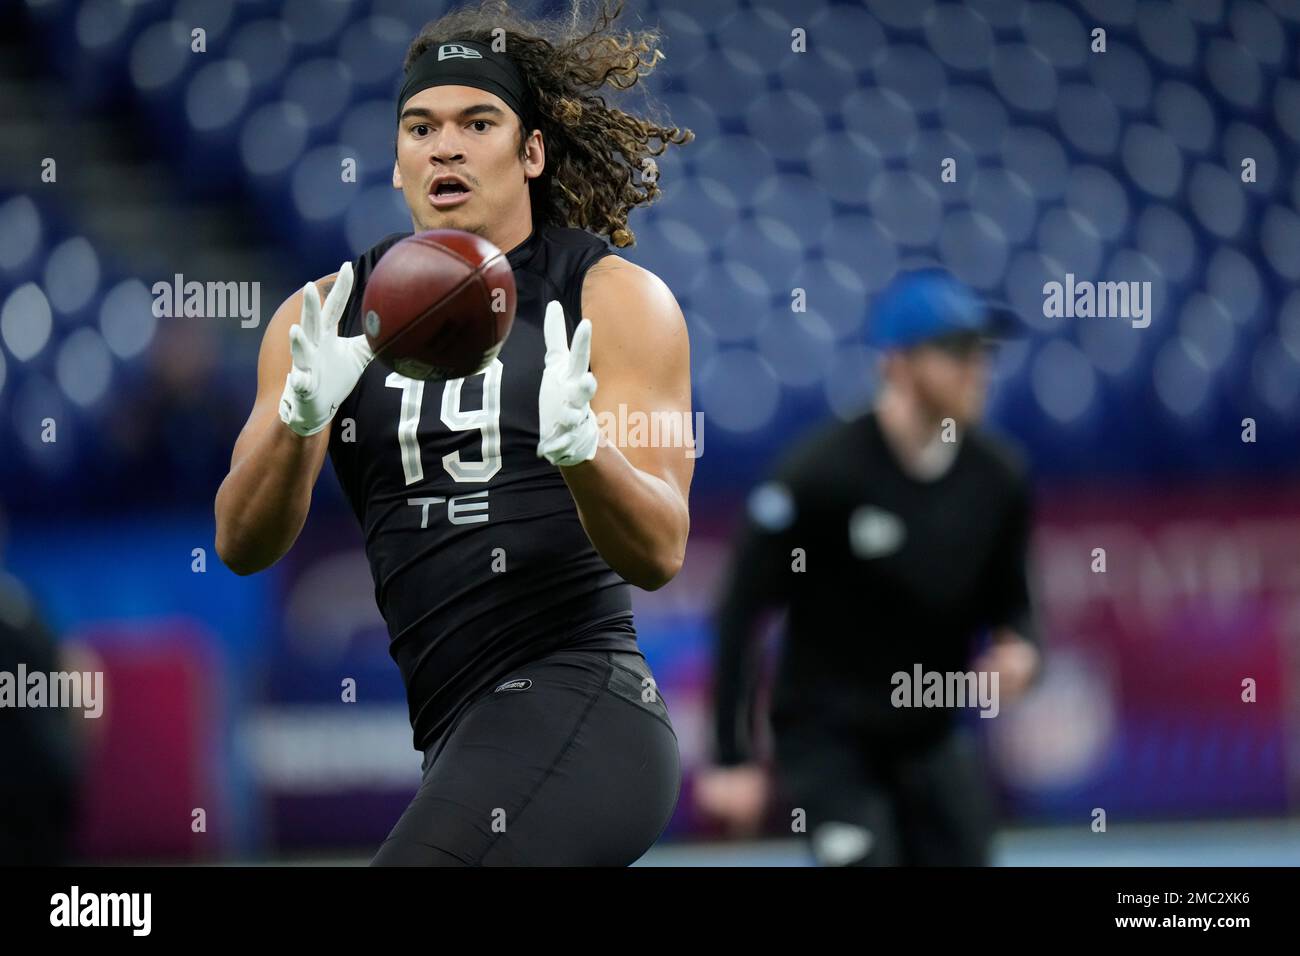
<point x="629" y="676"/>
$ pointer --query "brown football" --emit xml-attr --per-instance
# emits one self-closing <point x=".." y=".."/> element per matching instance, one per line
<point x="439" y="305"/>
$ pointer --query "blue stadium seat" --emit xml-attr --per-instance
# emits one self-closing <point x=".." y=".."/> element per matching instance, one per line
<point x="837" y="292"/>
<point x="815" y="170"/>
<point x="787" y="120"/>
<point x="372" y="50"/>
<point x="72" y="277"/>
<point x="702" y="208"/>
<point x="727" y="79"/>
<point x="215" y="17"/>
<point x="1165" y="235"/>
<point x="974" y="248"/>
<point x="1038" y="158"/>
<point x="27" y="323"/>
<point x="845" y="36"/>
<point x="912" y="73"/>
<point x="885" y="119"/>
<point x="738" y="391"/>
<point x="321" y="198"/>
<point x="976" y="117"/>
<point x="412" y="14"/>
<point x="126" y="319"/>
<point x="843" y="164"/>
<point x="769" y="246"/>
<point x="735" y="297"/>
<point x="1090" y="190"/>
<point x="315" y="25"/>
<point x="369" y="132"/>
<point x="1123" y="75"/>
<point x="378" y="211"/>
<point x="323" y="88"/>
<point x="1088" y="118"/>
<point x="736" y="164"/>
<point x="21" y="235"/>
<point x="959" y="36"/>
<point x="1067" y="236"/>
<point x="216" y="99"/>
<point x="273" y="139"/>
<point x="862" y="245"/>
<point x="265" y="48"/>
<point x="1186" y="115"/>
<point x="797" y="345"/>
<point x="800" y="204"/>
<point x="1055" y="32"/>
<point x="933" y="148"/>
<point x="907" y="206"/>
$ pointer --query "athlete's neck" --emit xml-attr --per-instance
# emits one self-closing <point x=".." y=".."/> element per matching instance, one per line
<point x="507" y="238"/>
<point x="514" y="236"/>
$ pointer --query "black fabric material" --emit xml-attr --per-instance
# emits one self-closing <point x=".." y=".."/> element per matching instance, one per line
<point x="464" y="601"/>
<point x="918" y="804"/>
<point x="564" y="761"/>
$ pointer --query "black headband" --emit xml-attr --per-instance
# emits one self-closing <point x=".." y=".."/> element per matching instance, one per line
<point x="466" y="63"/>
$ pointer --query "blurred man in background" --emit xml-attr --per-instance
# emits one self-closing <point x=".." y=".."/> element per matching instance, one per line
<point x="894" y="541"/>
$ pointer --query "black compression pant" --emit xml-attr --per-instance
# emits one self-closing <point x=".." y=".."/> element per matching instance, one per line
<point x="873" y="802"/>
<point x="577" y="767"/>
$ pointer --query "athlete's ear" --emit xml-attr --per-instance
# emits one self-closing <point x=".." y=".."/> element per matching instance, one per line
<point x="534" y="155"/>
<point x="397" y="175"/>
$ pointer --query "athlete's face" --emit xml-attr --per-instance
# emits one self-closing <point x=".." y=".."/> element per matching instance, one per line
<point x="949" y="379"/>
<point x="468" y="139"/>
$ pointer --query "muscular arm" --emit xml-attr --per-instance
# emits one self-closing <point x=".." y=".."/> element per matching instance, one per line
<point x="263" y="502"/>
<point x="633" y="500"/>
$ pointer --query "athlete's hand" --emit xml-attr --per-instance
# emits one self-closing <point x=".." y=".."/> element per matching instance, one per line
<point x="325" y="367"/>
<point x="737" y="796"/>
<point x="566" y="426"/>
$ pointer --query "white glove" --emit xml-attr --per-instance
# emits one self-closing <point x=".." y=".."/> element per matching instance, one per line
<point x="325" y="367"/>
<point x="566" y="426"/>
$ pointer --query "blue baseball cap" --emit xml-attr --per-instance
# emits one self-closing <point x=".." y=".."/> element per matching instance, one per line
<point x="923" y="304"/>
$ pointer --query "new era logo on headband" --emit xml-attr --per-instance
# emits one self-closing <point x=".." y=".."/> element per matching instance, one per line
<point x="451" y="51"/>
<point x="466" y="62"/>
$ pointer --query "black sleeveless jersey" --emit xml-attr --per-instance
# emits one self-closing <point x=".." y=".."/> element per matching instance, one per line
<point x="479" y="559"/>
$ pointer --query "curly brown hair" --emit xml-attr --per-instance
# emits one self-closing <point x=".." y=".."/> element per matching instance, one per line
<point x="595" y="153"/>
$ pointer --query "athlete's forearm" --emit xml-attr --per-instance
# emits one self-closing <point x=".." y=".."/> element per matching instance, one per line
<point x="263" y="503"/>
<point x="635" y="520"/>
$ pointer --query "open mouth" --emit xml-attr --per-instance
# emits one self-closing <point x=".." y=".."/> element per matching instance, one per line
<point x="448" y="192"/>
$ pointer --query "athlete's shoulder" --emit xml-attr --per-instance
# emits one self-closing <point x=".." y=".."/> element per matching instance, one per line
<point x="624" y="276"/>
